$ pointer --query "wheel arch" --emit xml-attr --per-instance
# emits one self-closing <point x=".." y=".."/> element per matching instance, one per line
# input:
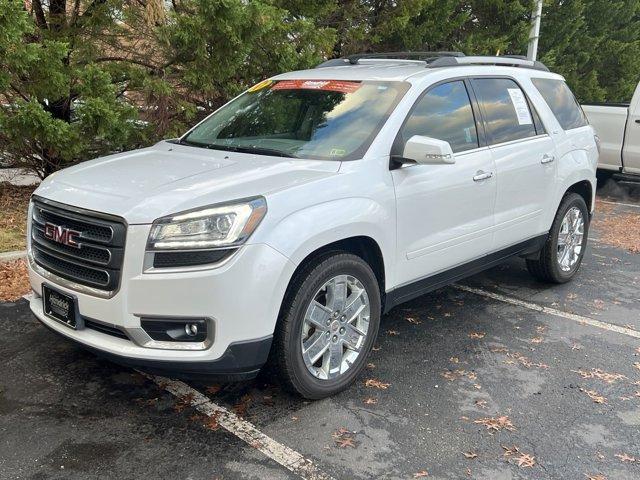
<point x="363" y="246"/>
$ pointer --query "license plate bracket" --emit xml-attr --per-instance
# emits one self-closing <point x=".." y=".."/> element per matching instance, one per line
<point x="61" y="307"/>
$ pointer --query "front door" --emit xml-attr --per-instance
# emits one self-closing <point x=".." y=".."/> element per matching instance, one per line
<point x="444" y="212"/>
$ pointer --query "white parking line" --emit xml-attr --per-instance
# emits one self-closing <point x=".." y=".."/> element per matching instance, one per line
<point x="619" y="203"/>
<point x="552" y="311"/>
<point x="246" y="431"/>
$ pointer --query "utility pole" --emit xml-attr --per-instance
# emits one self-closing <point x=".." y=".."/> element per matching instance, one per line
<point x="534" y="34"/>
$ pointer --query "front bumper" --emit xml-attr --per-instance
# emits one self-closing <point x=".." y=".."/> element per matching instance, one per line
<point x="241" y="297"/>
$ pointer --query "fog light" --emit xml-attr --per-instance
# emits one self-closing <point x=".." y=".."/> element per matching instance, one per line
<point x="191" y="329"/>
<point x="175" y="330"/>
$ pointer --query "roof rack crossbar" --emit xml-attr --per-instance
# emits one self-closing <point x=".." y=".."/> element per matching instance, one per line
<point x="505" y="60"/>
<point x="421" y="56"/>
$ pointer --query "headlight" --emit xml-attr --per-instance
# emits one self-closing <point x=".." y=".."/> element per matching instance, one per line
<point x="209" y="227"/>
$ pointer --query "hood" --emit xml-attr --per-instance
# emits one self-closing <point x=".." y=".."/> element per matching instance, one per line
<point x="167" y="178"/>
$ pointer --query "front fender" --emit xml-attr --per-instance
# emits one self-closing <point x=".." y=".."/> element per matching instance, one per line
<point x="302" y="232"/>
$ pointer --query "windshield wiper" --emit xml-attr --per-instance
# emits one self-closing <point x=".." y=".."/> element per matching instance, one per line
<point x="235" y="148"/>
<point x="251" y="149"/>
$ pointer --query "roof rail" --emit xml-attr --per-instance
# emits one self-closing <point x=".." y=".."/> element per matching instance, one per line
<point x="505" y="60"/>
<point x="413" y="57"/>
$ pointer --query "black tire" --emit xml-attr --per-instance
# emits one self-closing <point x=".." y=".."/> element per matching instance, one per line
<point x="546" y="267"/>
<point x="286" y="354"/>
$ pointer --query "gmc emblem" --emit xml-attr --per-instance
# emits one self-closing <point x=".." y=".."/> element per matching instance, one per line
<point x="62" y="235"/>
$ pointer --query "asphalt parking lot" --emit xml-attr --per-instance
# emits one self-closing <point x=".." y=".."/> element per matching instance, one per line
<point x="497" y="378"/>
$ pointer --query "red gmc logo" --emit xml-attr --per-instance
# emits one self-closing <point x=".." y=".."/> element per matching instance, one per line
<point x="62" y="235"/>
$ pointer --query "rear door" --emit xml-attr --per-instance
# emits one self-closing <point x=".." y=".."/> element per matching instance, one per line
<point x="524" y="156"/>
<point x="444" y="212"/>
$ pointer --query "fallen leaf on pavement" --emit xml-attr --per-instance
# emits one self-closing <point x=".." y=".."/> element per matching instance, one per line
<point x="595" y="396"/>
<point x="373" y="383"/>
<point x="470" y="455"/>
<point x="421" y="474"/>
<point x="213" y="389"/>
<point x="370" y="401"/>
<point x="477" y="335"/>
<point x="394" y="333"/>
<point x="600" y="375"/>
<point x="623" y="457"/>
<point x="595" y="477"/>
<point x="345" y="442"/>
<point x="496" y="424"/>
<point x="526" y="460"/>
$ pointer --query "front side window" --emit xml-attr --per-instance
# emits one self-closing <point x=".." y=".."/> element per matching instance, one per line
<point x="561" y="102"/>
<point x="313" y="119"/>
<point x="444" y="113"/>
<point x="506" y="109"/>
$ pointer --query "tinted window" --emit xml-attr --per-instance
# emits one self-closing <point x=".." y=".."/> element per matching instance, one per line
<point x="445" y="113"/>
<point x="505" y="108"/>
<point x="561" y="102"/>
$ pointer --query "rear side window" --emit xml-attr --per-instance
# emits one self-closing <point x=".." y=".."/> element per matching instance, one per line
<point x="561" y="102"/>
<point x="506" y="109"/>
<point x="444" y="113"/>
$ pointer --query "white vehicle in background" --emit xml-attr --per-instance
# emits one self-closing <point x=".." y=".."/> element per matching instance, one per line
<point x="618" y="126"/>
<point x="285" y="224"/>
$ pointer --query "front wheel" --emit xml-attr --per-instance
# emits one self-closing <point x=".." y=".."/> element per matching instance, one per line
<point x="327" y="326"/>
<point x="562" y="254"/>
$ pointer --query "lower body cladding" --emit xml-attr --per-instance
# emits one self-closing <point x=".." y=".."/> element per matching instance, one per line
<point x="214" y="321"/>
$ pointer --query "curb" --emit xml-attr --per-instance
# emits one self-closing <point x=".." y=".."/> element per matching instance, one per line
<point x="11" y="256"/>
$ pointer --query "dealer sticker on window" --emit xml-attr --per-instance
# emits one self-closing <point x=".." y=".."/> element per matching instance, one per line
<point x="520" y="104"/>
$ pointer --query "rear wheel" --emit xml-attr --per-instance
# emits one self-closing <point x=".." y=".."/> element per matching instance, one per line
<point x="327" y="326"/>
<point x="562" y="254"/>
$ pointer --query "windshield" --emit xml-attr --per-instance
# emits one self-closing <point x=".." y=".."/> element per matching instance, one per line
<point x="314" y="119"/>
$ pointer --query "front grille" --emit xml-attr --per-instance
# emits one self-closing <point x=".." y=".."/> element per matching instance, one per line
<point x="96" y="261"/>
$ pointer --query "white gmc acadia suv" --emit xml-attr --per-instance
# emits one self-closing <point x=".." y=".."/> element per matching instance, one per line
<point x="286" y="223"/>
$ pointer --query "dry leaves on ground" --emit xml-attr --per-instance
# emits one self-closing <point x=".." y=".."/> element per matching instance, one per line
<point x="453" y="375"/>
<point x="620" y="230"/>
<point x="393" y="333"/>
<point x="496" y="424"/>
<point x="470" y="455"/>
<point x="14" y="281"/>
<point x="344" y="438"/>
<point x="595" y="477"/>
<point x="624" y="458"/>
<point x="595" y="396"/>
<point x="212" y="422"/>
<point x="421" y="474"/>
<point x="413" y="321"/>
<point x="600" y="375"/>
<point x="242" y="406"/>
<point x="14" y="202"/>
<point x="477" y="335"/>
<point x="517" y="357"/>
<point x="374" y="383"/>
<point x="521" y="459"/>
<point x="183" y="403"/>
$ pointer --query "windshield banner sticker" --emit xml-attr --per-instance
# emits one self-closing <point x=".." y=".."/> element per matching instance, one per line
<point x="326" y="85"/>
<point x="520" y="104"/>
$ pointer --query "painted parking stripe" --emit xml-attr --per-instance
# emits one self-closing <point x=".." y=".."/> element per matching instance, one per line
<point x="245" y="431"/>
<point x="551" y="311"/>
<point x="620" y="203"/>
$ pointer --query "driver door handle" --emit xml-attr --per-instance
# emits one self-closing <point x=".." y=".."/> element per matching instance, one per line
<point x="482" y="176"/>
<point x="547" y="158"/>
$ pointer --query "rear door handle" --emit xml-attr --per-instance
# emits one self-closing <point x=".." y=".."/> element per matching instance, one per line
<point x="638" y="120"/>
<point x="482" y="176"/>
<point x="547" y="158"/>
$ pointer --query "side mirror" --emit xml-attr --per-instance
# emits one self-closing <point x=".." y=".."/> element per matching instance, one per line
<point x="427" y="151"/>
